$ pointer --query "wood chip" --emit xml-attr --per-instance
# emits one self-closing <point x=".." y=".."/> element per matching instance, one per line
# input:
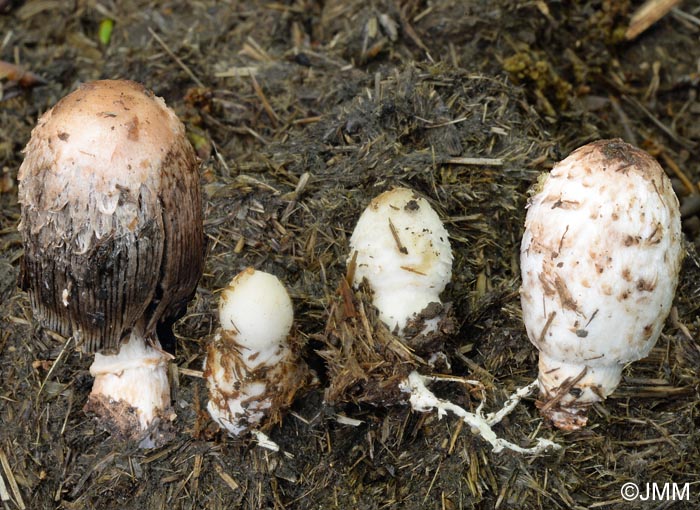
<point x="648" y="14"/>
<point x="11" y="480"/>
<point x="228" y="479"/>
<point x="475" y="161"/>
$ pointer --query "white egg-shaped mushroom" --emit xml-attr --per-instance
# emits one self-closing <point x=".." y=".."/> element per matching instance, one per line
<point x="600" y="259"/>
<point x="251" y="371"/>
<point x="402" y="249"/>
<point x="112" y="231"/>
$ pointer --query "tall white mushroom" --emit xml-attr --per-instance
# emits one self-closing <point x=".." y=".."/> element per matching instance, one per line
<point x="600" y="259"/>
<point x="113" y="236"/>
<point x="251" y="371"/>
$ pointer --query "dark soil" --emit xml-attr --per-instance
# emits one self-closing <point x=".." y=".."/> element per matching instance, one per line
<point x="301" y="112"/>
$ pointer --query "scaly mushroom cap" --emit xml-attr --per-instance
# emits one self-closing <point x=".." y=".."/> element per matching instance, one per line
<point x="111" y="215"/>
<point x="600" y="259"/>
<point x="403" y="251"/>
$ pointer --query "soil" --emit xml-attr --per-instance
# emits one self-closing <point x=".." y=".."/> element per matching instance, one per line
<point x="301" y="112"/>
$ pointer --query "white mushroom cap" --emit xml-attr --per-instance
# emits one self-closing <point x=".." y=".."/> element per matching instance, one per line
<point x="600" y="259"/>
<point x="105" y="138"/>
<point x="403" y="251"/>
<point x="257" y="307"/>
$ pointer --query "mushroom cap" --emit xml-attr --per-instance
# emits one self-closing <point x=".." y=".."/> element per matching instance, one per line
<point x="600" y="259"/>
<point x="257" y="307"/>
<point x="111" y="214"/>
<point x="404" y="252"/>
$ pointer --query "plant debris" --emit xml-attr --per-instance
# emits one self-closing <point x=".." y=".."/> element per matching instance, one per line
<point x="302" y="112"/>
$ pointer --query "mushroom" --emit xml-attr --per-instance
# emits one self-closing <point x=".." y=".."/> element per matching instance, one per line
<point x="113" y="238"/>
<point x="600" y="259"/>
<point x="251" y="371"/>
<point x="402" y="248"/>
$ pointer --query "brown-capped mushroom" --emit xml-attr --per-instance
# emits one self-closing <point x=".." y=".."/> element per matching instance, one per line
<point x="113" y="236"/>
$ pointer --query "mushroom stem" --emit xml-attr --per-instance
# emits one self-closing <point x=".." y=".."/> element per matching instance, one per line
<point x="569" y="389"/>
<point x="131" y="388"/>
<point x="423" y="400"/>
<point x="410" y="305"/>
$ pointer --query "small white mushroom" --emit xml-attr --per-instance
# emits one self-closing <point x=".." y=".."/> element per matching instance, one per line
<point x="402" y="248"/>
<point x="251" y="372"/>
<point x="113" y="235"/>
<point x="600" y="259"/>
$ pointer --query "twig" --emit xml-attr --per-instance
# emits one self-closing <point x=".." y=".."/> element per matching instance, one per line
<point x="679" y="173"/>
<point x="397" y="240"/>
<point x="53" y="366"/>
<point x="563" y="390"/>
<point x="648" y="14"/>
<point x="228" y="479"/>
<point x="11" y="479"/>
<point x="686" y="17"/>
<point x="191" y="373"/>
<point x="264" y="441"/>
<point x="261" y="95"/>
<point x="176" y="58"/>
<point x="669" y="131"/>
<point x="630" y="137"/>
<point x="25" y="78"/>
<point x="475" y="161"/>
<point x="433" y="125"/>
<point x="237" y="72"/>
<point x="4" y="495"/>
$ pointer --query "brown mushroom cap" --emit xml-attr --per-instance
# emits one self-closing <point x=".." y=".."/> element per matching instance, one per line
<point x="111" y="215"/>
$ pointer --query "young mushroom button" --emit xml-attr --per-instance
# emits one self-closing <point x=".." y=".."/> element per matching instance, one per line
<point x="112" y="230"/>
<point x="402" y="249"/>
<point x="251" y="371"/>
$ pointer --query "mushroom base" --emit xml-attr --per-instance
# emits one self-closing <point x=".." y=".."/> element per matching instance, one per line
<point x="398" y="306"/>
<point x="243" y="397"/>
<point x="567" y="390"/>
<point x="131" y="392"/>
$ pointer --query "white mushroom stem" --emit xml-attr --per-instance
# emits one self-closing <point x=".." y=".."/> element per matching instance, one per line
<point x="136" y="376"/>
<point x="423" y="400"/>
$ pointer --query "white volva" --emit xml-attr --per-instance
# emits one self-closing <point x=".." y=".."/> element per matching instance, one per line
<point x="404" y="252"/>
<point x="600" y="259"/>
<point x="250" y="369"/>
<point x="136" y="376"/>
